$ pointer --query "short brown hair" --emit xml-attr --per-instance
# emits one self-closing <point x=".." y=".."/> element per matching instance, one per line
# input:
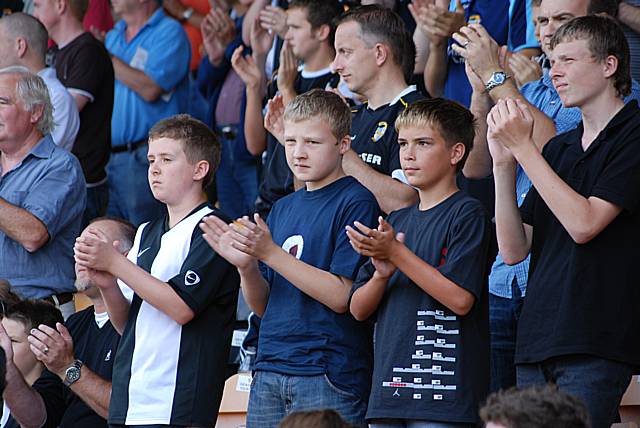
<point x="319" y="13"/>
<point x="381" y="25"/>
<point x="326" y="418"/>
<point x="605" y="38"/>
<point x="535" y="407"/>
<point x="455" y="123"/>
<point x="318" y="102"/>
<point x="32" y="313"/>
<point x="198" y="141"/>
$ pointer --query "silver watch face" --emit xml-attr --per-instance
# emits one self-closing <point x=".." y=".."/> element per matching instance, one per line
<point x="499" y="78"/>
<point x="72" y="374"/>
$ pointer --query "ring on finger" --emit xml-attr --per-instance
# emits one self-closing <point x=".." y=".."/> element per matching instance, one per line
<point x="45" y="350"/>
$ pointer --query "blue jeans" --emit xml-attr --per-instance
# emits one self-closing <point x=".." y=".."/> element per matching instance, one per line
<point x="273" y="396"/>
<point x="236" y="179"/>
<point x="408" y="423"/>
<point x="503" y="324"/>
<point x="599" y="383"/>
<point x="97" y="201"/>
<point x="130" y="196"/>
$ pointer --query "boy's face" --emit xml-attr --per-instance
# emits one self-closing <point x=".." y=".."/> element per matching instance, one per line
<point x="355" y="62"/>
<point x="313" y="154"/>
<point x="170" y="174"/>
<point x="24" y="359"/>
<point x="300" y="36"/>
<point x="425" y="156"/>
<point x="576" y="74"/>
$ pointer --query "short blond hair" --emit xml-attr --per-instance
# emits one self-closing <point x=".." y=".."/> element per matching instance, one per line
<point x="317" y="102"/>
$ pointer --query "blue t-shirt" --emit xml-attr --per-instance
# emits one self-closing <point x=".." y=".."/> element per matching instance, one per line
<point x="509" y="22"/>
<point x="298" y="334"/>
<point x="161" y="50"/>
<point x="429" y="363"/>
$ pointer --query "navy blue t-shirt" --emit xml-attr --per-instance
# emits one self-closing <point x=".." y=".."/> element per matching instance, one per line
<point x="429" y="363"/>
<point x="298" y="334"/>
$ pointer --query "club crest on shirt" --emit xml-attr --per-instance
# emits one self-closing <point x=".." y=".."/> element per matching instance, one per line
<point x="108" y="357"/>
<point x="380" y="130"/>
<point x="191" y="278"/>
<point x="294" y="245"/>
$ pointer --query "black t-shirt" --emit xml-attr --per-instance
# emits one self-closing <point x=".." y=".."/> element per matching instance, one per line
<point x="374" y="136"/>
<point x="583" y="298"/>
<point x="84" y="67"/>
<point x="96" y="347"/>
<point x="429" y="363"/>
<point x="277" y="178"/>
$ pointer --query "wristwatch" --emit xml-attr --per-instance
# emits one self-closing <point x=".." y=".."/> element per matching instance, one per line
<point x="72" y="374"/>
<point x="187" y="14"/>
<point x="497" y="78"/>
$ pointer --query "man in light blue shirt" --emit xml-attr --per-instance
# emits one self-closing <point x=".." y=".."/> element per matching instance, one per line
<point x="150" y="54"/>
<point x="42" y="194"/>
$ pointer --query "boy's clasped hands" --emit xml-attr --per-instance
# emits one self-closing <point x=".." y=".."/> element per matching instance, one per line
<point x="380" y="244"/>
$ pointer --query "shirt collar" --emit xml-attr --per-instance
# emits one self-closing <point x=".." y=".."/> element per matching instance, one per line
<point x="154" y="19"/>
<point x="48" y="73"/>
<point x="402" y="93"/>
<point x="44" y="148"/>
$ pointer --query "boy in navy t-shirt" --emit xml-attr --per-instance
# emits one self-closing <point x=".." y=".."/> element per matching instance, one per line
<point x="312" y="354"/>
<point x="426" y="285"/>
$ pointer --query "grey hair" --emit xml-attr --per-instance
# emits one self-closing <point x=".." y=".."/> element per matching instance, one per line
<point x="31" y="91"/>
<point x="21" y="25"/>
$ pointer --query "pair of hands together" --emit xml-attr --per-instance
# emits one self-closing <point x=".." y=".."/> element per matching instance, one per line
<point x="380" y="244"/>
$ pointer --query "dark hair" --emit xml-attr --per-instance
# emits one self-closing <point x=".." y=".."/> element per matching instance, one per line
<point x="319" y="13"/>
<point x="198" y="141"/>
<point x="455" y="123"/>
<point x="78" y="8"/>
<point x="327" y="418"/>
<point x="32" y="313"/>
<point x="7" y="296"/>
<point x="381" y="25"/>
<point x="610" y="7"/>
<point x="605" y="38"/>
<point x="126" y="231"/>
<point x="538" y="406"/>
<point x="320" y="103"/>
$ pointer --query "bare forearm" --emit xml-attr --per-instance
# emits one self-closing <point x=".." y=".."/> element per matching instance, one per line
<point x="117" y="308"/>
<point x="254" y="132"/>
<point x="629" y="15"/>
<point x="431" y="281"/>
<point x="26" y="405"/>
<point x="435" y="72"/>
<point x="391" y="194"/>
<point x="479" y="162"/>
<point x="254" y="288"/>
<point x="22" y="226"/>
<point x="365" y="300"/>
<point x="323" y="286"/>
<point x="137" y="80"/>
<point x="94" y="391"/>
<point x="422" y="50"/>
<point x="157" y="293"/>
<point x="513" y="243"/>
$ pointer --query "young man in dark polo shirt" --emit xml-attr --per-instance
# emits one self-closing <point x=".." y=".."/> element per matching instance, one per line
<point x="581" y="222"/>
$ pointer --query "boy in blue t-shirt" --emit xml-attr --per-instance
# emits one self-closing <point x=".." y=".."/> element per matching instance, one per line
<point x="297" y="270"/>
<point x="427" y="284"/>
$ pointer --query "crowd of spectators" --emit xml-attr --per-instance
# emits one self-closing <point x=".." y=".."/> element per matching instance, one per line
<point x="398" y="207"/>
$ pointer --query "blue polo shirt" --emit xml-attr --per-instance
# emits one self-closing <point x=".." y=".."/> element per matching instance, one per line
<point x="161" y="50"/>
<point x="544" y="97"/>
<point x="49" y="184"/>
<point x="509" y="22"/>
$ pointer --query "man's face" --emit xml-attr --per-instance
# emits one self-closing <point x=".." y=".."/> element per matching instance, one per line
<point x="46" y="13"/>
<point x="300" y="36"/>
<point x="16" y="123"/>
<point x="123" y="6"/>
<point x="354" y="60"/>
<point x="83" y="282"/>
<point x="577" y="75"/>
<point x="554" y="13"/>
<point x="313" y="154"/>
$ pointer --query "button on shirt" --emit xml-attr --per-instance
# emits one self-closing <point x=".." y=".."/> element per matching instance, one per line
<point x="502" y="274"/>
<point x="49" y="184"/>
<point x="543" y="96"/>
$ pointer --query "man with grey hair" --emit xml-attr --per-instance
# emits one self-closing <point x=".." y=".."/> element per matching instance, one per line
<point x="75" y="389"/>
<point x="23" y="41"/>
<point x="42" y="194"/>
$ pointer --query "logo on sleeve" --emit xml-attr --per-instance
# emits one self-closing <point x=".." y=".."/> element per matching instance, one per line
<point x="191" y="278"/>
<point x="294" y="245"/>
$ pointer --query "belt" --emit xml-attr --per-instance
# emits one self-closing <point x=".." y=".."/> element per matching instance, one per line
<point x="59" y="299"/>
<point x="228" y="132"/>
<point x="129" y="147"/>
